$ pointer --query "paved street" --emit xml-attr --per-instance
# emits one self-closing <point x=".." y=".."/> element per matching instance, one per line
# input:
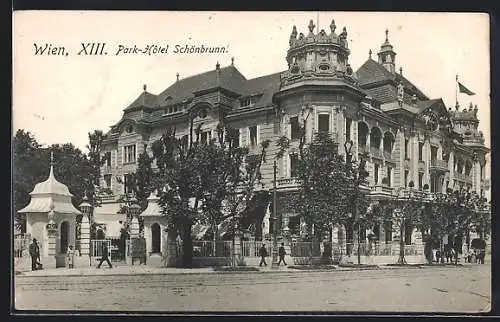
<point x="438" y="289"/>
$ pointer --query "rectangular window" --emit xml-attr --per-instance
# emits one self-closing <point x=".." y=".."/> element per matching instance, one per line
<point x="324" y="123"/>
<point x="205" y="137"/>
<point x="107" y="155"/>
<point x="127" y="184"/>
<point x="294" y="128"/>
<point x="420" y="151"/>
<point x="434" y="153"/>
<point x="407" y="149"/>
<point x="129" y="154"/>
<point x="348" y="123"/>
<point x="407" y="173"/>
<point x="389" y="176"/>
<point x="185" y="141"/>
<point x="107" y="180"/>
<point x="236" y="139"/>
<point x="375" y="173"/>
<point x="294" y="158"/>
<point x="253" y="136"/>
<point x="420" y="181"/>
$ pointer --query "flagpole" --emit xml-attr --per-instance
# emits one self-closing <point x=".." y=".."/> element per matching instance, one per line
<point x="456" y="92"/>
<point x="317" y="19"/>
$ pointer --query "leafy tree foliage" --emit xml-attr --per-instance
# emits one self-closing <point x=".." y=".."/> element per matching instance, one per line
<point x="31" y="165"/>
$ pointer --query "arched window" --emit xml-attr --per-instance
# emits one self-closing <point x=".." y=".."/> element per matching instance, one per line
<point x="362" y="134"/>
<point x="388" y="142"/>
<point x="468" y="167"/>
<point x="375" y="138"/>
<point x="155" y="238"/>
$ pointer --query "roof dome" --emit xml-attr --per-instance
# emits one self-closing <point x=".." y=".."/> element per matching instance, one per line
<point x="51" y="186"/>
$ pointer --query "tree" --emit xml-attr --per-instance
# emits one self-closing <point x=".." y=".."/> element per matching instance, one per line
<point x="403" y="211"/>
<point x="27" y="170"/>
<point x="455" y="214"/>
<point x="199" y="179"/>
<point x="31" y="166"/>
<point x="328" y="185"/>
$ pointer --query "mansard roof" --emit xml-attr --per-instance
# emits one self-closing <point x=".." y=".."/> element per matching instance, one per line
<point x="229" y="78"/>
<point x="146" y="99"/>
<point x="371" y="74"/>
<point x="266" y="85"/>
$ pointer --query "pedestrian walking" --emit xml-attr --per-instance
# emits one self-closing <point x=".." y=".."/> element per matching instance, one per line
<point x="263" y="255"/>
<point x="70" y="256"/>
<point x="105" y="256"/>
<point x="34" y="250"/>
<point x="282" y="253"/>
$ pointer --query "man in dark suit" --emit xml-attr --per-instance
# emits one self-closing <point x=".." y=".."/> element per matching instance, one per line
<point x="282" y="253"/>
<point x="105" y="256"/>
<point x="35" y="255"/>
<point x="263" y="255"/>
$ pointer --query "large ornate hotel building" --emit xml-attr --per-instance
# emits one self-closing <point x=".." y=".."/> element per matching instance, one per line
<point x="406" y="135"/>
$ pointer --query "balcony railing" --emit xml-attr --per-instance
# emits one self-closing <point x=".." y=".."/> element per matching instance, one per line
<point x="440" y="165"/>
<point x="462" y="177"/>
<point x="106" y="169"/>
<point x="377" y="153"/>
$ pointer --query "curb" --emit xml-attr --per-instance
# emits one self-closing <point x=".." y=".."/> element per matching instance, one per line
<point x="336" y="269"/>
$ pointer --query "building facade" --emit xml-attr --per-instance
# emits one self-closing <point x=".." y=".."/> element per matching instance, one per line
<point x="407" y="136"/>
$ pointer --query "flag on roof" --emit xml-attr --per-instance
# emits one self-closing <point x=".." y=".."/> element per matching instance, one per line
<point x="463" y="89"/>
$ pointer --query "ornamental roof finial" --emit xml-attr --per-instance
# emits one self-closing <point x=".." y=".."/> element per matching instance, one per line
<point x="333" y="26"/>
<point x="232" y="61"/>
<point x="177" y="76"/>
<point x="387" y="35"/>
<point x="370" y="54"/>
<point x="51" y="174"/>
<point x="144" y="87"/>
<point x="311" y="26"/>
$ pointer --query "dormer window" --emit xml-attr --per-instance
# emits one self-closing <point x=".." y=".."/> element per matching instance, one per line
<point x="246" y="102"/>
<point x="129" y="129"/>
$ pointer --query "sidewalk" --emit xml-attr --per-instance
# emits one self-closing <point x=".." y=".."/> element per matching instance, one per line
<point x="146" y="270"/>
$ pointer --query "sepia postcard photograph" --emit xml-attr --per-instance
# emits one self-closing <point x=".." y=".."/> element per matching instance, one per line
<point x="218" y="161"/>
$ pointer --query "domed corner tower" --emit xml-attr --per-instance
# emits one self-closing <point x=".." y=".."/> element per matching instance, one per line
<point x="319" y="58"/>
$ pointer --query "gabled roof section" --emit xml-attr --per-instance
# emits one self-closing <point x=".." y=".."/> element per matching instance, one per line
<point x="371" y="72"/>
<point x="265" y="86"/>
<point x="229" y="78"/>
<point x="146" y="99"/>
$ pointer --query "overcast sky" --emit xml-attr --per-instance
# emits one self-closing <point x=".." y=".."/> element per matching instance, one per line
<point x="61" y="98"/>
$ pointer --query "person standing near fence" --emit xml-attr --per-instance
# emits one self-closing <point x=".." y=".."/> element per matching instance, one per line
<point x="282" y="253"/>
<point x="70" y="256"/>
<point x="263" y="255"/>
<point x="105" y="256"/>
<point x="35" y="255"/>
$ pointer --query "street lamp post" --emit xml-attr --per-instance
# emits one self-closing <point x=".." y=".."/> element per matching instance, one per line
<point x="274" y="263"/>
<point x="348" y="147"/>
<point x="86" y="208"/>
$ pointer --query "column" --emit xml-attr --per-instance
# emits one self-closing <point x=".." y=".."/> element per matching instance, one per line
<point x="451" y="167"/>
<point x="134" y="228"/>
<point x="52" y="239"/>
<point x="171" y="255"/>
<point x="237" y="254"/>
<point x="85" y="236"/>
<point x="285" y="230"/>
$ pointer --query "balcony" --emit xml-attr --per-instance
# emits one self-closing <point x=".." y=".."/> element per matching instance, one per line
<point x="438" y="165"/>
<point x="106" y="169"/>
<point x="463" y="177"/>
<point x="364" y="149"/>
<point x="377" y="153"/>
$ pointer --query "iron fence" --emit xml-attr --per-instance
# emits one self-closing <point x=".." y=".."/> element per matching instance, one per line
<point x="206" y="248"/>
<point x="252" y="248"/>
